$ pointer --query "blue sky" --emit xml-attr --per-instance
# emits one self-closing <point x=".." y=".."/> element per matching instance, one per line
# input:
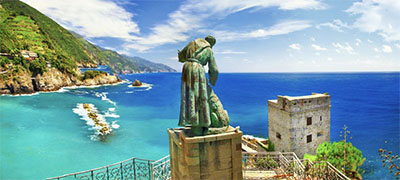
<point x="252" y="35"/>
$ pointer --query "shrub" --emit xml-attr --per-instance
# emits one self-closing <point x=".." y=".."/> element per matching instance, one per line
<point x="4" y="61"/>
<point x="90" y="74"/>
<point x="37" y="66"/>
<point x="266" y="162"/>
<point x="334" y="153"/>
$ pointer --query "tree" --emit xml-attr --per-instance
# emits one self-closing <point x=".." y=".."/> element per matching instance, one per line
<point x="37" y="67"/>
<point x="389" y="159"/>
<point x="334" y="153"/>
<point x="343" y="155"/>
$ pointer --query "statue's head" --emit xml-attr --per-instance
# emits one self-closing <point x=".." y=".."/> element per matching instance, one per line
<point x="211" y="39"/>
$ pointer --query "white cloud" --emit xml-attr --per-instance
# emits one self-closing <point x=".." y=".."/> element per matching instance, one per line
<point x="343" y="48"/>
<point x="229" y="52"/>
<point x="376" y="50"/>
<point x="336" y="24"/>
<point x="174" y="58"/>
<point x="380" y="16"/>
<point x="386" y="49"/>
<point x="277" y="29"/>
<point x="100" y="18"/>
<point x="318" y="48"/>
<point x="358" y="42"/>
<point x="295" y="46"/>
<point x="191" y="17"/>
<point x="397" y="45"/>
<point x="312" y="39"/>
<point x="89" y="18"/>
<point x="369" y="41"/>
<point x="330" y="59"/>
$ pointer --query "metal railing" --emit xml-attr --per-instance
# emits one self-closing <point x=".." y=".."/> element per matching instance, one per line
<point x="249" y="144"/>
<point x="134" y="168"/>
<point x="161" y="169"/>
<point x="282" y="164"/>
<point x="288" y="166"/>
<point x="322" y="170"/>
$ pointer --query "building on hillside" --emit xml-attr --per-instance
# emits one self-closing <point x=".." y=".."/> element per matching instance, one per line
<point x="299" y="124"/>
<point x="30" y="55"/>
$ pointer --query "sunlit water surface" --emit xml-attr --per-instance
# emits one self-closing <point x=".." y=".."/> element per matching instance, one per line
<point x="41" y="136"/>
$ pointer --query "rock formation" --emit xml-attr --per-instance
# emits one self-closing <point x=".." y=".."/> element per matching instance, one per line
<point x="52" y="80"/>
<point x="137" y="83"/>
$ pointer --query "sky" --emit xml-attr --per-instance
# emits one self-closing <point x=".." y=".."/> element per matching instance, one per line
<point x="252" y="35"/>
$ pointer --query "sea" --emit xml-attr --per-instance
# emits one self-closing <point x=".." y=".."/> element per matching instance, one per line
<point x="46" y="134"/>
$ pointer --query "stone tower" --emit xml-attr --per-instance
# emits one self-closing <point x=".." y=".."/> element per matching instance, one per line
<point x="299" y="124"/>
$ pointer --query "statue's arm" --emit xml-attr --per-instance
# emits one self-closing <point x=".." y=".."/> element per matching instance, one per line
<point x="212" y="69"/>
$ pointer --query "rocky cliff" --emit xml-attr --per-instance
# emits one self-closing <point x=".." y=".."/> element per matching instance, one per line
<point x="23" y="83"/>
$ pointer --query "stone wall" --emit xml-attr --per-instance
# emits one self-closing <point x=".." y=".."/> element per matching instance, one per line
<point x="288" y="116"/>
<point x="205" y="157"/>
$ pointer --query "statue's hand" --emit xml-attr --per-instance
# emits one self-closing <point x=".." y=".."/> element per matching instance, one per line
<point x="213" y="80"/>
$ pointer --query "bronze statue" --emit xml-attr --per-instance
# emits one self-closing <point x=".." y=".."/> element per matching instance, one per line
<point x="200" y="107"/>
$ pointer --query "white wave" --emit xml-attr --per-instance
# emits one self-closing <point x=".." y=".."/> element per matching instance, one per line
<point x="95" y="86"/>
<point x="104" y="97"/>
<point x="84" y="114"/>
<point x="128" y="92"/>
<point x="108" y="114"/>
<point x="144" y="85"/>
<point x="65" y="89"/>
<point x="111" y="109"/>
<point x="17" y="95"/>
<point x="114" y="125"/>
<point x="141" y="88"/>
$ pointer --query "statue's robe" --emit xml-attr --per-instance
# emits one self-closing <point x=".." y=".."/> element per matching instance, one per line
<point x="195" y="109"/>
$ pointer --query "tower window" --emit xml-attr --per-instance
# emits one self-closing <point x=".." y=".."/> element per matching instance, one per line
<point x="320" y="118"/>
<point x="309" y="138"/>
<point x="278" y="135"/>
<point x="319" y="134"/>
<point x="309" y="121"/>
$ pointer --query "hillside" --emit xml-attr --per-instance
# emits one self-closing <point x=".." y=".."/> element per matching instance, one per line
<point x="121" y="63"/>
<point x="33" y="48"/>
<point x="148" y="66"/>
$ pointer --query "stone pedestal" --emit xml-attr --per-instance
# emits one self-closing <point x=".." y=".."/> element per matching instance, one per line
<point x="205" y="157"/>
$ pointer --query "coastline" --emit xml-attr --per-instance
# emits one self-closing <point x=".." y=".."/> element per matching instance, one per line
<point x="65" y="88"/>
<point x="50" y="81"/>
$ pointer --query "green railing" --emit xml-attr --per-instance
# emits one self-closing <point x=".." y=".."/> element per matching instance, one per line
<point x="134" y="168"/>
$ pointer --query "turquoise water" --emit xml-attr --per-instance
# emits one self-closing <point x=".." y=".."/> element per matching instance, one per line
<point x="41" y="136"/>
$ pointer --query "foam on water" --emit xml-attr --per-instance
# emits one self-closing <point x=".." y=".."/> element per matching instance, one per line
<point x="84" y="114"/>
<point x="114" y="125"/>
<point x="143" y="87"/>
<point x="103" y="96"/>
<point x="18" y="95"/>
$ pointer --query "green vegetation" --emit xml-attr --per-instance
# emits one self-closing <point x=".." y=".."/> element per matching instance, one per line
<point x="310" y="157"/>
<point x="389" y="159"/>
<point x="24" y="28"/>
<point x="343" y="155"/>
<point x="270" y="147"/>
<point x="92" y="74"/>
<point x="37" y="66"/>
<point x="265" y="162"/>
<point x="334" y="153"/>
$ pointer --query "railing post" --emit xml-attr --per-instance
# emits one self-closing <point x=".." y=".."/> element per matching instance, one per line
<point x="134" y="169"/>
<point x="108" y="176"/>
<point x="122" y="172"/>
<point x="150" y="174"/>
<point x="91" y="173"/>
